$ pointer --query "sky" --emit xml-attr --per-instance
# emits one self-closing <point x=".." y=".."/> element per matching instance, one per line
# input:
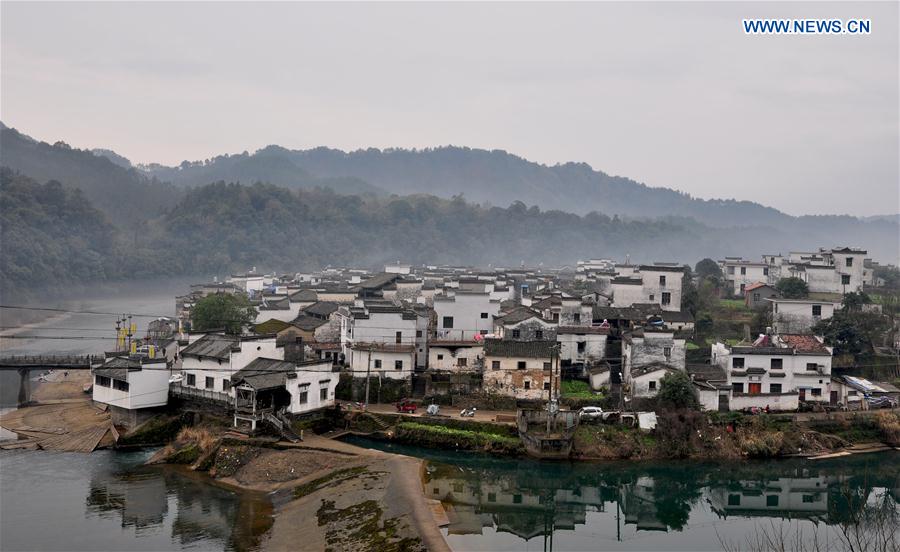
<point x="670" y="94"/>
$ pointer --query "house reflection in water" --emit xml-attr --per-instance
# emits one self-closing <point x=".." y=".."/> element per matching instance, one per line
<point x="534" y="501"/>
<point x="196" y="512"/>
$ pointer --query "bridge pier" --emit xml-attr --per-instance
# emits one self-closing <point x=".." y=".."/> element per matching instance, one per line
<point x="24" y="386"/>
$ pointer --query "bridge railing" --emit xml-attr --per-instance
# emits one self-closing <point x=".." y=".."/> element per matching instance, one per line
<point x="51" y="360"/>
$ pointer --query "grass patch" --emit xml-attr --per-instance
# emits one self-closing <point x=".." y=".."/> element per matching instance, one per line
<point x="691" y="346"/>
<point x="578" y="389"/>
<point x="322" y="482"/>
<point x="458" y="433"/>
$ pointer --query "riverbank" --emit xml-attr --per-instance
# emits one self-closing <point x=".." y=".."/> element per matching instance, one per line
<point x="324" y="492"/>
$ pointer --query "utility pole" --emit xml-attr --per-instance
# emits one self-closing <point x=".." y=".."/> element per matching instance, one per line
<point x="368" y="371"/>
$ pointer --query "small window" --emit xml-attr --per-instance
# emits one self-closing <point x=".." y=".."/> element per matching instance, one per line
<point x="484" y="315"/>
<point x="849" y="261"/>
<point x="120" y="385"/>
<point x="462" y="361"/>
<point x="226" y="385"/>
<point x="323" y="394"/>
<point x="210" y="383"/>
<point x="418" y="333"/>
<point x="737" y="362"/>
<point x="771" y="500"/>
<point x="517" y="499"/>
<point x="816" y="392"/>
<point x="845" y="279"/>
<point x="581" y="346"/>
<point x="440" y="357"/>
<point x="743" y="270"/>
<point x="755" y="297"/>
<point x="495" y="365"/>
<point x="520" y="365"/>
<point x="667" y="351"/>
<point x="776" y="364"/>
<point x="652" y="385"/>
<point x="377" y="363"/>
<point x="576" y="317"/>
<point x="652" y="297"/>
<point x="547" y="366"/>
<point x="398" y="365"/>
<point x="399" y="337"/>
<point x="734" y="500"/>
<point x="191" y="379"/>
<point x="303" y="393"/>
<point x="662" y="280"/>
<point x="483" y="332"/>
<point x="737" y="387"/>
<point x="516" y="334"/>
<point x="808" y="498"/>
<point x="539" y="334"/>
<point x="527" y="385"/>
<point x="811" y="366"/>
<point x="774" y="388"/>
<point x="817" y="310"/>
<point x="766" y="271"/>
<point x="666" y="298"/>
<point x="492" y="497"/>
<point x="546" y="386"/>
<point x="103" y="381"/>
<point x="448" y="322"/>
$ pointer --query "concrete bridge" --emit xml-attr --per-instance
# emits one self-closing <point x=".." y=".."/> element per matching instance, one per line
<point x="24" y="364"/>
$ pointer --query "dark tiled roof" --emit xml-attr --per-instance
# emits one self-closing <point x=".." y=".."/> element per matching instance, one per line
<point x="308" y="323"/>
<point x="271" y="326"/>
<point x="661" y="268"/>
<point x="518" y="349"/>
<point x="321" y="308"/>
<point x="304" y="295"/>
<point x="706" y="372"/>
<point x="649" y="368"/>
<point x="517" y="315"/>
<point x="582" y="330"/>
<point x="264" y="373"/>
<point x="628" y="281"/>
<point x="212" y="346"/>
<point x="118" y="367"/>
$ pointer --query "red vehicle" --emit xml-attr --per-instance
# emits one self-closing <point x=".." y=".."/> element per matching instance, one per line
<point x="405" y="405"/>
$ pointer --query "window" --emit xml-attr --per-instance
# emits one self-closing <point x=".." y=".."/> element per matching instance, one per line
<point x="303" y="393"/>
<point x="734" y="500"/>
<point x="377" y="363"/>
<point x="807" y="498"/>
<point x="323" y="394"/>
<point x="774" y="388"/>
<point x="771" y="500"/>
<point x="547" y="366"/>
<point x="731" y="270"/>
<point x="743" y="288"/>
<point x="546" y="386"/>
<point x="440" y="357"/>
<point x="399" y="337"/>
<point x="816" y="392"/>
<point x="495" y="365"/>
<point x="483" y="332"/>
<point x="517" y="499"/>
<point x="766" y="271"/>
<point x="845" y="279"/>
<point x="652" y="297"/>
<point x="398" y="365"/>
<point x="851" y="393"/>
<point x="120" y="385"/>
<point x="539" y="334"/>
<point x="462" y="361"/>
<point x="191" y="379"/>
<point x="516" y="334"/>
<point x="210" y="383"/>
<point x="520" y="365"/>
<point x="448" y="322"/>
<point x="737" y="362"/>
<point x="743" y="270"/>
<point x="492" y="497"/>
<point x="737" y="387"/>
<point x="527" y="385"/>
<point x="817" y="310"/>
<point x="662" y="281"/>
<point x="849" y="261"/>
<point x="776" y="364"/>
<point x="576" y="318"/>
<point x="755" y="297"/>
<point x="103" y="381"/>
<point x="667" y="351"/>
<point x="651" y="385"/>
<point x="226" y="385"/>
<point x="666" y="298"/>
<point x="581" y="347"/>
<point x="484" y="315"/>
<point x="418" y="333"/>
<point x="811" y="366"/>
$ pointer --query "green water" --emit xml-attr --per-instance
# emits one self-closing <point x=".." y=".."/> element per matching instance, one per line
<point x="502" y="504"/>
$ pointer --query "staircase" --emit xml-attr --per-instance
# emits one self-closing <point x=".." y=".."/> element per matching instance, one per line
<point x="283" y="428"/>
<point x="378" y="421"/>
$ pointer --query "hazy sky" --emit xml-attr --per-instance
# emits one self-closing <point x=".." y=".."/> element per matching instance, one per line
<point x="670" y="94"/>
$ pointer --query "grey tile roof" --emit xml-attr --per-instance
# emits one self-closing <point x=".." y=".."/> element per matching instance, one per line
<point x="518" y="349"/>
<point x="264" y="373"/>
<point x="212" y="346"/>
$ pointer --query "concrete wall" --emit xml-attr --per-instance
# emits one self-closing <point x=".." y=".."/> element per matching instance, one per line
<point x="472" y="313"/>
<point x="652" y="348"/>
<point x="796" y="317"/>
<point x="359" y="361"/>
<point x="783" y="402"/>
<point x="511" y="381"/>
<point x="147" y="388"/>
<point x="447" y="358"/>
<point x="321" y="378"/>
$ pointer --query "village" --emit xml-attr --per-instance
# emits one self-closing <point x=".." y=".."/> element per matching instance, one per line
<point x="598" y="340"/>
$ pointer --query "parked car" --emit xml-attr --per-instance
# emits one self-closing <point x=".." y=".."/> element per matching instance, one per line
<point x="592" y="413"/>
<point x="406" y="405"/>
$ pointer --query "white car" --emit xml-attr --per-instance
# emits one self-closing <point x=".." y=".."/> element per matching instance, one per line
<point x="591" y="413"/>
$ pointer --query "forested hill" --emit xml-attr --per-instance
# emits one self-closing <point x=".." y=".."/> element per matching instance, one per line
<point x="127" y="196"/>
<point x="481" y="176"/>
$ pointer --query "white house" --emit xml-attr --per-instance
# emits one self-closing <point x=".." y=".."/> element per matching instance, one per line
<point x="131" y="384"/>
<point x="776" y="371"/>
<point x="741" y="274"/>
<point x="645" y="346"/>
<point x="210" y="360"/>
<point x="381" y="323"/>
<point x="661" y="284"/>
<point x="387" y="360"/>
<point x="799" y="315"/>
<point x="465" y="314"/>
<point x="644" y="381"/>
<point x="267" y="387"/>
<point x="584" y="345"/>
<point x="456" y="356"/>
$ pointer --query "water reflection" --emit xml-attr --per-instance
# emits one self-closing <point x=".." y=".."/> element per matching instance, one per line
<point x="530" y="500"/>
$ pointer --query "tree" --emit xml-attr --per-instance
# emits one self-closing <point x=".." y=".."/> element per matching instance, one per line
<point x="227" y="311"/>
<point x="708" y="268"/>
<point x="890" y="275"/>
<point x="851" y="332"/>
<point x="676" y="390"/>
<point x="792" y="288"/>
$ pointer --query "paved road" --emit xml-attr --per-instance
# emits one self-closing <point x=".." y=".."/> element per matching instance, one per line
<point x="446" y="411"/>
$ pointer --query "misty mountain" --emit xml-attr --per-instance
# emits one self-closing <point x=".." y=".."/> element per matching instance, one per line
<point x="119" y="160"/>
<point x="127" y="196"/>
<point x="272" y="165"/>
